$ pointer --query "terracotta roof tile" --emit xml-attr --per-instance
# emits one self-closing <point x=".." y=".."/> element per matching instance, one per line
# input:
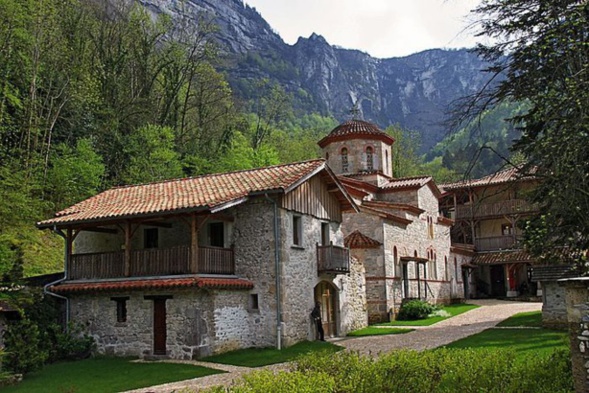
<point x="354" y="129"/>
<point x="149" y="284"/>
<point x="501" y="177"/>
<point x="553" y="272"/>
<point x="408" y="182"/>
<point x="197" y="193"/>
<point x="357" y="239"/>
<point x="501" y="257"/>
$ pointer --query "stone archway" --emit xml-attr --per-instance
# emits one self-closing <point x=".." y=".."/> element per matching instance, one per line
<point x="326" y="295"/>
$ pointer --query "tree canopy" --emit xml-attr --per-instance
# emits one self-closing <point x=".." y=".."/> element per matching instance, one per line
<point x="539" y="53"/>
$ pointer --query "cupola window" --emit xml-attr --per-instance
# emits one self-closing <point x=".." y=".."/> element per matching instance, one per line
<point x="369" y="159"/>
<point x="345" y="165"/>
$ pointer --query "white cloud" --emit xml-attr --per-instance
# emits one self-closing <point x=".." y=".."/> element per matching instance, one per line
<point x="383" y="28"/>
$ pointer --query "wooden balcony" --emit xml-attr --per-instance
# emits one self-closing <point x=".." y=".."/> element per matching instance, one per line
<point x="333" y="259"/>
<point x="495" y="209"/>
<point x="495" y="243"/>
<point x="151" y="262"/>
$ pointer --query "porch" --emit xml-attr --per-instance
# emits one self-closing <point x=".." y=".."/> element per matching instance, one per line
<point x="495" y="209"/>
<point x="152" y="262"/>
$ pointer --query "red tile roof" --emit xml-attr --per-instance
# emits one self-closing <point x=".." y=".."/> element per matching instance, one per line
<point x="151" y="284"/>
<point x="357" y="239"/>
<point x="394" y="206"/>
<point x="501" y="177"/>
<point x="385" y="214"/>
<point x="209" y="192"/>
<point x="501" y="257"/>
<point x="408" y="182"/>
<point x="355" y="129"/>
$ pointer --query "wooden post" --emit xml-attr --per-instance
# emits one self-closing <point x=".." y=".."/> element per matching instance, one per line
<point x="194" y="244"/>
<point x="127" y="267"/>
<point x="68" y="251"/>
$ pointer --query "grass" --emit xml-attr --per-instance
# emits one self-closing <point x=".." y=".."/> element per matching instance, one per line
<point x="376" y="331"/>
<point x="452" y="309"/>
<point x="104" y="375"/>
<point x="257" y="357"/>
<point x="524" y="319"/>
<point x="522" y="341"/>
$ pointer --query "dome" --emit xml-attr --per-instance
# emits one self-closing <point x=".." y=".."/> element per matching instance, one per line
<point x="356" y="129"/>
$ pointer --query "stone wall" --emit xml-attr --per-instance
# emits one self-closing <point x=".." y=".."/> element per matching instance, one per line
<point x="357" y="156"/>
<point x="577" y="307"/>
<point x="199" y="322"/>
<point x="352" y="298"/>
<point x="554" y="315"/>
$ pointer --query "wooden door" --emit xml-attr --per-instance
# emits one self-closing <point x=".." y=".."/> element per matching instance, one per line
<point x="325" y="294"/>
<point x="159" y="327"/>
<point x="497" y="274"/>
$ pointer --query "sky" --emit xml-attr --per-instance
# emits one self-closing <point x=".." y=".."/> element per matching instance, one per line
<point x="383" y="28"/>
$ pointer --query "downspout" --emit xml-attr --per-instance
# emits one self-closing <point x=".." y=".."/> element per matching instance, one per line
<point x="46" y="290"/>
<point x="278" y="278"/>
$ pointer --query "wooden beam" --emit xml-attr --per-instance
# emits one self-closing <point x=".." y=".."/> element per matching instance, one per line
<point x="100" y="230"/>
<point x="158" y="224"/>
<point x="194" y="244"/>
<point x="127" y="262"/>
<point x="69" y="240"/>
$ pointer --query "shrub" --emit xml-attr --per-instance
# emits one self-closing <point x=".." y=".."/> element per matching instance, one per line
<point x="442" y="370"/>
<point x="415" y="309"/>
<point x="21" y="339"/>
<point x="73" y="344"/>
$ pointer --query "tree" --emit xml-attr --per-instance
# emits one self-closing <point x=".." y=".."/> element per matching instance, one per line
<point x="540" y="56"/>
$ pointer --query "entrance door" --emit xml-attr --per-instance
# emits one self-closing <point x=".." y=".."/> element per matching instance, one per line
<point x="497" y="273"/>
<point x="159" y="327"/>
<point x="325" y="294"/>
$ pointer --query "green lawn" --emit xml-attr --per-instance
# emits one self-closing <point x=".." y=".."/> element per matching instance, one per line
<point x="377" y="331"/>
<point x="452" y="309"/>
<point x="257" y="357"/>
<point x="104" y="375"/>
<point x="524" y="319"/>
<point x="522" y="341"/>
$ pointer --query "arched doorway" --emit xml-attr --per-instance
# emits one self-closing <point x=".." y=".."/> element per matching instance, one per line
<point x="325" y="294"/>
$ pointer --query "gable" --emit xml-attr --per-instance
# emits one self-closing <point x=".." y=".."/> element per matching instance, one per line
<point x="316" y="198"/>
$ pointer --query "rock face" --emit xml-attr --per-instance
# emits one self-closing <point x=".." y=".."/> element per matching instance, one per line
<point x="413" y="91"/>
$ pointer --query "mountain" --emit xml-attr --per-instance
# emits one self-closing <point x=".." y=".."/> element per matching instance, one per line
<point x="414" y="92"/>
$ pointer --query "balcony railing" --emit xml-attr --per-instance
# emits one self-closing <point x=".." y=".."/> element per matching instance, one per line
<point x="151" y="262"/>
<point x="494" y="243"/>
<point x="333" y="259"/>
<point x="495" y="209"/>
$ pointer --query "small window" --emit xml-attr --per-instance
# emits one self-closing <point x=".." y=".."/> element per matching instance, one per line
<point x="297" y="231"/>
<point x="345" y="165"/>
<point x="325" y="234"/>
<point x="254" y="302"/>
<point x="217" y="234"/>
<point x="446" y="269"/>
<point x="121" y="303"/>
<point x="430" y="227"/>
<point x="386" y="160"/>
<point x="369" y="159"/>
<point x="506" y="229"/>
<point x="150" y="238"/>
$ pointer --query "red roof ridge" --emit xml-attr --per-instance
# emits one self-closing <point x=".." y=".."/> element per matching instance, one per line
<point x="357" y="239"/>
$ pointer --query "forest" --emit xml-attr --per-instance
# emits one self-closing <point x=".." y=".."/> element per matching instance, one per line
<point x="95" y="94"/>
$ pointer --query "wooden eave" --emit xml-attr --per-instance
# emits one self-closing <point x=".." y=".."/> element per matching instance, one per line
<point x="399" y="206"/>
<point x="463" y="249"/>
<point x="385" y="215"/>
<point x="358" y="183"/>
<point x="445" y="221"/>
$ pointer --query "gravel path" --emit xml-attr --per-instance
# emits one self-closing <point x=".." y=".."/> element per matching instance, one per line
<point x="488" y="315"/>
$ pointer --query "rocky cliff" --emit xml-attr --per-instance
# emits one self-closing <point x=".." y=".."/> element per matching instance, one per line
<point x="414" y="91"/>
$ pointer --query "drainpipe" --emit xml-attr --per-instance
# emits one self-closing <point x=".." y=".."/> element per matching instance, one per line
<point x="278" y="278"/>
<point x="46" y="290"/>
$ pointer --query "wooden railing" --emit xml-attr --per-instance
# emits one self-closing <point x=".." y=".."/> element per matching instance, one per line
<point x="333" y="259"/>
<point x="494" y="243"/>
<point x="495" y="209"/>
<point x="151" y="262"/>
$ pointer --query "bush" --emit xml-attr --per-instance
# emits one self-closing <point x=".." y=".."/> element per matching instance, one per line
<point x="442" y="370"/>
<point x="21" y="339"/>
<point x="415" y="309"/>
<point x="73" y="344"/>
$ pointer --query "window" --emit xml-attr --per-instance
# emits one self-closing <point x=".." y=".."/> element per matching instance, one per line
<point x="327" y="156"/>
<point x="430" y="227"/>
<point x="121" y="303"/>
<point x="217" y="234"/>
<point x="324" y="234"/>
<point x="506" y="229"/>
<point x="446" y="270"/>
<point x="386" y="160"/>
<point x="254" y="305"/>
<point x="345" y="165"/>
<point x="396" y="262"/>
<point x="369" y="159"/>
<point x="150" y="238"/>
<point x="297" y="231"/>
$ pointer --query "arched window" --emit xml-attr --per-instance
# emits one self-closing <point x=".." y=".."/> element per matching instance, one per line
<point x="345" y="165"/>
<point x="369" y="159"/>
<point x="446" y="271"/>
<point x="386" y="160"/>
<point x="396" y="262"/>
